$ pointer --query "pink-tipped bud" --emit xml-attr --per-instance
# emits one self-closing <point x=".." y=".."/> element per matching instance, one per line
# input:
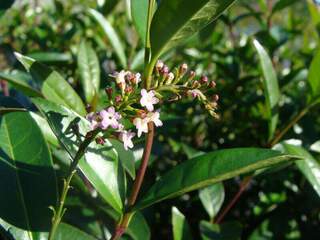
<point x="118" y="99"/>
<point x="212" y="84"/>
<point x="204" y="80"/>
<point x="164" y="70"/>
<point x="122" y="86"/>
<point x="109" y="91"/>
<point x="100" y="140"/>
<point x="183" y="69"/>
<point x="215" y="97"/>
<point x="128" y="90"/>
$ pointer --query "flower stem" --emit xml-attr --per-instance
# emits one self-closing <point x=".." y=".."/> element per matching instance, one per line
<point x="124" y="222"/>
<point x="58" y="214"/>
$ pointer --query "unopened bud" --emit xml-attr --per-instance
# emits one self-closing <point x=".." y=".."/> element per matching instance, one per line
<point x="109" y="91"/>
<point x="192" y="74"/>
<point x="215" y="97"/>
<point x="100" y="140"/>
<point x="128" y="90"/>
<point x="118" y="99"/>
<point x="204" y="80"/>
<point x="88" y="108"/>
<point x="212" y="84"/>
<point x="196" y="84"/>
<point x="159" y="65"/>
<point x="164" y="70"/>
<point x="129" y="77"/>
<point x="183" y="69"/>
<point x="122" y="86"/>
<point x="170" y="78"/>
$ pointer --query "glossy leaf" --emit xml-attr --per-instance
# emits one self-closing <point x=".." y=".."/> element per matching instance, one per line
<point x="212" y="198"/>
<point x="226" y="231"/>
<point x="180" y="227"/>
<point x="139" y="12"/>
<point x="126" y="157"/>
<point x="100" y="163"/>
<point x="315" y="147"/>
<point x="25" y="164"/>
<point x="88" y="64"/>
<point x="66" y="231"/>
<point x="54" y="87"/>
<point x="271" y="87"/>
<point x="111" y="35"/>
<point x="282" y="4"/>
<point x="176" y="20"/>
<point x="314" y="75"/>
<point x="208" y="169"/>
<point x="309" y="167"/>
<point x="18" y="81"/>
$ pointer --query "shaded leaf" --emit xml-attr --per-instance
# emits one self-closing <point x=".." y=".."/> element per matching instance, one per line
<point x="18" y="81"/>
<point x="88" y="64"/>
<point x="25" y="164"/>
<point x="66" y="231"/>
<point x="212" y="198"/>
<point x="111" y="35"/>
<point x="138" y="228"/>
<point x="51" y="57"/>
<point x="271" y="87"/>
<point x="208" y="169"/>
<point x="54" y="87"/>
<point x="180" y="226"/>
<point x="226" y="231"/>
<point x="176" y="20"/>
<point x="100" y="163"/>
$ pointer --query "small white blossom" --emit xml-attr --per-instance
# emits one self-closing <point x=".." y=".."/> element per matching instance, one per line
<point x="148" y="99"/>
<point x="126" y="138"/>
<point x="141" y="125"/>
<point x="109" y="118"/>
<point x="155" y="118"/>
<point x="137" y="78"/>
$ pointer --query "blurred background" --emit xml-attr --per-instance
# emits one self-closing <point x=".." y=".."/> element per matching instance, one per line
<point x="277" y="205"/>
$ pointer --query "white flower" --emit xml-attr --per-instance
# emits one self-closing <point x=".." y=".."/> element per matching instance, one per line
<point x="141" y="125"/>
<point x="126" y="138"/>
<point x="155" y="118"/>
<point x="148" y="99"/>
<point x="137" y="78"/>
<point x="120" y="76"/>
<point x="109" y="118"/>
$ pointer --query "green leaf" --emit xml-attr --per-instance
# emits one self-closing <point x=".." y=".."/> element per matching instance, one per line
<point x="271" y="87"/>
<point x="100" y="163"/>
<point x="309" y="167"/>
<point x="212" y="198"/>
<point x="51" y="57"/>
<point x="54" y="87"/>
<point x="282" y="4"/>
<point x="12" y="232"/>
<point x="208" y="169"/>
<point x="28" y="182"/>
<point x="111" y="35"/>
<point x="314" y="75"/>
<point x="139" y="12"/>
<point x="66" y="231"/>
<point x="180" y="227"/>
<point x="126" y="157"/>
<point x="45" y="129"/>
<point x="176" y="20"/>
<point x="226" y="231"/>
<point x="17" y="80"/>
<point x="138" y="228"/>
<point x="89" y="68"/>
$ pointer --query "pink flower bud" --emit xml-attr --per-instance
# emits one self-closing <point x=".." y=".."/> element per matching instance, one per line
<point x="212" y="84"/>
<point x="183" y="69"/>
<point x="109" y="91"/>
<point x="204" y="80"/>
<point x="215" y="97"/>
<point x="159" y="65"/>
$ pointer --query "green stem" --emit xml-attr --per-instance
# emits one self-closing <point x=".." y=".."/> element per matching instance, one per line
<point x="58" y="214"/>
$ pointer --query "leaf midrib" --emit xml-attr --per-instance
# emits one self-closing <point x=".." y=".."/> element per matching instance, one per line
<point x="18" y="179"/>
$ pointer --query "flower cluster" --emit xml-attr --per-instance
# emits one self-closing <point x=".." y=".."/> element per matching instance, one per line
<point x="127" y="100"/>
